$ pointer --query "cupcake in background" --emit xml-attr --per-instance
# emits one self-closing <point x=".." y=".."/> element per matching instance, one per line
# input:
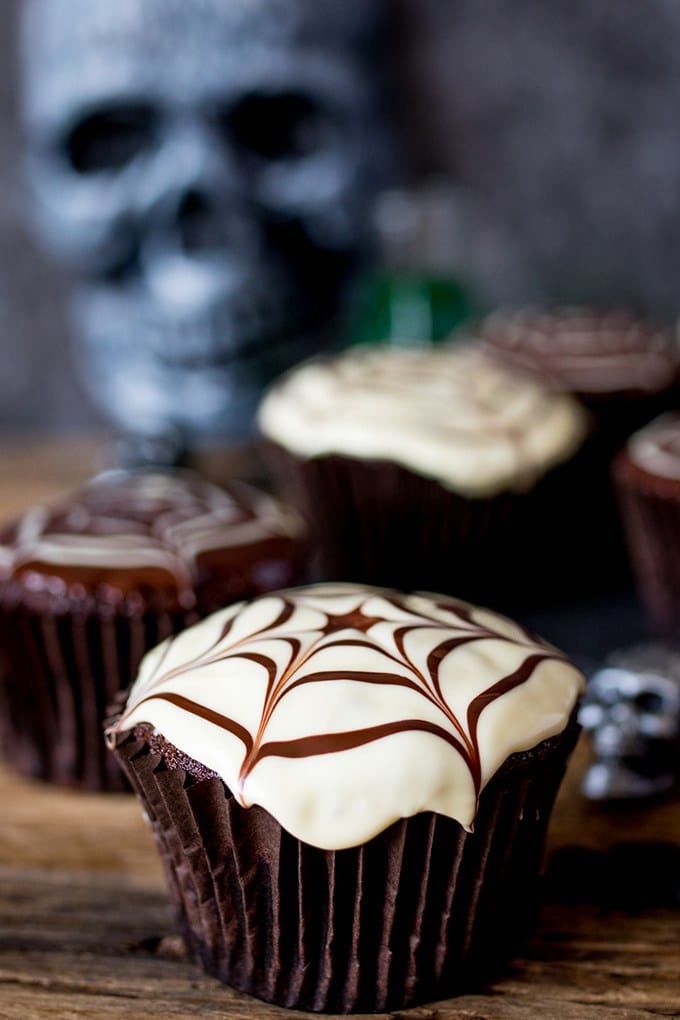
<point x="626" y="371"/>
<point x="647" y="480"/>
<point x="89" y="584"/>
<point x="416" y="468"/>
<point x="350" y="789"/>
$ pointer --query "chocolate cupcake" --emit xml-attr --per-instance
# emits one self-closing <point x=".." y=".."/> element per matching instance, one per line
<point x="626" y="371"/>
<point x="416" y="468"/>
<point x="349" y="788"/>
<point x="88" y="585"/>
<point x="624" y="368"/>
<point x="647" y="479"/>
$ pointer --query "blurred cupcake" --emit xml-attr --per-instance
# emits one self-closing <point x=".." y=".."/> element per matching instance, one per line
<point x="626" y="371"/>
<point x="88" y="585"/>
<point x="313" y="763"/>
<point x="416" y="467"/>
<point x="647" y="478"/>
<point x="623" y="368"/>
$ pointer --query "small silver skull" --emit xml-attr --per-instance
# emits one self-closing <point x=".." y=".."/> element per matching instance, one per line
<point x="207" y="169"/>
<point x="632" y="713"/>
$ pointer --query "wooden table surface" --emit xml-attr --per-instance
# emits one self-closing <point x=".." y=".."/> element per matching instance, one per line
<point x="86" y="930"/>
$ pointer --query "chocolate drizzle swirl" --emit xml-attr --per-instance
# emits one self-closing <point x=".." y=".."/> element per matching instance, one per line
<point x="585" y="351"/>
<point x="293" y="640"/>
<point x="130" y="530"/>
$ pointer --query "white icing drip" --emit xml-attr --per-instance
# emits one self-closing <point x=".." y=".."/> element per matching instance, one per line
<point x="125" y="551"/>
<point x="32" y="525"/>
<point x="335" y="798"/>
<point x="656" y="448"/>
<point x="450" y="413"/>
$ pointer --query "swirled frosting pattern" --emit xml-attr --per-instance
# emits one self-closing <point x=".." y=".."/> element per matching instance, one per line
<point x="584" y="351"/>
<point x="130" y="528"/>
<point x="450" y="413"/>
<point x="656" y="448"/>
<point x="341" y="708"/>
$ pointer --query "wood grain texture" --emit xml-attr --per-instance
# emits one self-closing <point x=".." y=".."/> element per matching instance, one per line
<point x="86" y="930"/>
<point x="74" y="944"/>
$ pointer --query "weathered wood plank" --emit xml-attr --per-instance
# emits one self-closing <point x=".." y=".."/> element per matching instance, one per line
<point x="73" y="942"/>
<point x="44" y="827"/>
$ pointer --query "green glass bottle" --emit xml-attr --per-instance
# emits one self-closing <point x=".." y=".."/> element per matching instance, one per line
<point x="411" y="297"/>
<point x="407" y="308"/>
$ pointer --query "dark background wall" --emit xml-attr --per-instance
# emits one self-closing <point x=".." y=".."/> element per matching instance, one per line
<point x="38" y="388"/>
<point x="555" y="125"/>
<point x="559" y="122"/>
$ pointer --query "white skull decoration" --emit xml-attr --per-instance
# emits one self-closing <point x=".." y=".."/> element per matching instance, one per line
<point x="207" y="168"/>
<point x="632" y="713"/>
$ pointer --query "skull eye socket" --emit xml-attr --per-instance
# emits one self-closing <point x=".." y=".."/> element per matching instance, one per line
<point x="649" y="701"/>
<point x="272" y="127"/>
<point x="109" y="139"/>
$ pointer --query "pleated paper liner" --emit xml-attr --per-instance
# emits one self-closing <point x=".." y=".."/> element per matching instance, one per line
<point x="420" y="912"/>
<point x="59" y="672"/>
<point x="650" y="509"/>
<point x="380" y="523"/>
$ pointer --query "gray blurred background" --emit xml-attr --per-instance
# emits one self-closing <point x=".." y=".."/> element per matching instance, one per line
<point x="554" y="128"/>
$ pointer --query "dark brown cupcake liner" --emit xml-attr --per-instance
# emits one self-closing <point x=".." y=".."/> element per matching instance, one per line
<point x="651" y="517"/>
<point x="379" y="523"/>
<point x="422" y="911"/>
<point x="59" y="671"/>
<point x="62" y="662"/>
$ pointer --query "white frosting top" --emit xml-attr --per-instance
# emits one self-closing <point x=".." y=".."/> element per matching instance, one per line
<point x="656" y="448"/>
<point x="341" y="708"/>
<point x="449" y="412"/>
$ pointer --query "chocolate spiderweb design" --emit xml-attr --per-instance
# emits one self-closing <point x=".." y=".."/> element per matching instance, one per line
<point x="140" y="526"/>
<point x="450" y="623"/>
